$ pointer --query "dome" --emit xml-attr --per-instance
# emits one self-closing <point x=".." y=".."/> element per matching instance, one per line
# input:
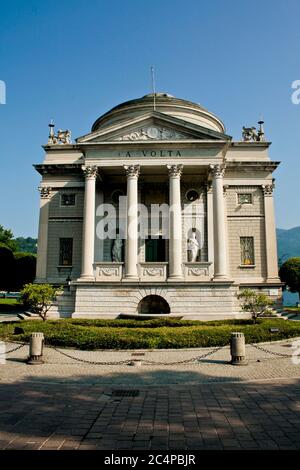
<point x="164" y="103"/>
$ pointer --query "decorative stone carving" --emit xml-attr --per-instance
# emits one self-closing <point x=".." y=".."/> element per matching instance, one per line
<point x="153" y="133"/>
<point x="268" y="189"/>
<point x="132" y="171"/>
<point x="225" y="187"/>
<point x="90" y="171"/>
<point x="250" y="134"/>
<point x="44" y="191"/>
<point x="209" y="187"/>
<point x="217" y="170"/>
<point x="153" y="271"/>
<point x="117" y="250"/>
<point x="175" y="170"/>
<point x="194" y="271"/>
<point x="62" y="137"/>
<point x="106" y="271"/>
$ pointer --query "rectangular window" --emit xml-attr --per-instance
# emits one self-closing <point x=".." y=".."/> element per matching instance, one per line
<point x="247" y="251"/>
<point x="65" y="251"/>
<point x="68" y="199"/>
<point x="245" y="198"/>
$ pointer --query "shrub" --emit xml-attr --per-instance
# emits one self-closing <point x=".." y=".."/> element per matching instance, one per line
<point x="68" y="333"/>
<point x="38" y="298"/>
<point x="255" y="303"/>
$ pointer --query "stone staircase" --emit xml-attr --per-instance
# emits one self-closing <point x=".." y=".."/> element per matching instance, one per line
<point x="280" y="312"/>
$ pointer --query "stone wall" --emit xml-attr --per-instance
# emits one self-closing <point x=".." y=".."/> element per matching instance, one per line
<point x="246" y="220"/>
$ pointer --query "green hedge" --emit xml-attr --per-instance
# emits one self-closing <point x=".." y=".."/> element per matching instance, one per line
<point x="114" y="334"/>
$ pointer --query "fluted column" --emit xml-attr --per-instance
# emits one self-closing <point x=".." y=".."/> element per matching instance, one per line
<point x="87" y="269"/>
<point x="270" y="234"/>
<point x="175" y="223"/>
<point x="131" y="257"/>
<point x="220" y="255"/>
<point x="210" y="227"/>
<point x="42" y="246"/>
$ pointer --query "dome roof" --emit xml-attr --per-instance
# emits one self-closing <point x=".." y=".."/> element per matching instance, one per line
<point x="164" y="103"/>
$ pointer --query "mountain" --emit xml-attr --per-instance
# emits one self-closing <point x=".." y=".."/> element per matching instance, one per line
<point x="288" y="243"/>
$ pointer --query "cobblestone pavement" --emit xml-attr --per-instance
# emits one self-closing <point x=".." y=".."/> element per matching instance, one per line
<point x="64" y="404"/>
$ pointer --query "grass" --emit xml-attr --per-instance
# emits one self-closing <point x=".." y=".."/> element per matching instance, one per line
<point x="10" y="305"/>
<point x="149" y="334"/>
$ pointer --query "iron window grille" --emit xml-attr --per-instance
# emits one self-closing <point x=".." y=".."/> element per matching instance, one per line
<point x="65" y="251"/>
<point x="244" y="198"/>
<point x="247" y="251"/>
<point x="68" y="199"/>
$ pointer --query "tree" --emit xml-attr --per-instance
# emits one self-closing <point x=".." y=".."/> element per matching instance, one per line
<point x="254" y="303"/>
<point x="7" y="238"/>
<point x="7" y="268"/>
<point x="38" y="298"/>
<point x="25" y="267"/>
<point x="290" y="274"/>
<point x="26" y="245"/>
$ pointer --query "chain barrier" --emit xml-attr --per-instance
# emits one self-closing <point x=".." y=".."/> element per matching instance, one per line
<point x="186" y="361"/>
<point x="274" y="353"/>
<point x="129" y="361"/>
<point x="150" y="362"/>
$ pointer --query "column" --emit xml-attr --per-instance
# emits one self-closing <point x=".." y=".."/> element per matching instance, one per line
<point x="131" y="258"/>
<point x="210" y="227"/>
<point x="87" y="268"/>
<point x="270" y="234"/>
<point x="219" y="223"/>
<point x="175" y="223"/>
<point x="42" y="248"/>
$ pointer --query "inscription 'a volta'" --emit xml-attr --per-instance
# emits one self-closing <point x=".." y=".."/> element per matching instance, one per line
<point x="152" y="153"/>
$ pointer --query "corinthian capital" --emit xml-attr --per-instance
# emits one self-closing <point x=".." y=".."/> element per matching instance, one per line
<point x="132" y="171"/>
<point x="44" y="191"/>
<point x="268" y="189"/>
<point x="217" y="171"/>
<point x="90" y="171"/>
<point x="175" y="170"/>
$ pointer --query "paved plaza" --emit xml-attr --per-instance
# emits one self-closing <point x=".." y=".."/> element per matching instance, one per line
<point x="193" y="405"/>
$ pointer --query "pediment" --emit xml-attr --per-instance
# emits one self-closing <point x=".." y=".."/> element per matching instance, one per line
<point x="152" y="127"/>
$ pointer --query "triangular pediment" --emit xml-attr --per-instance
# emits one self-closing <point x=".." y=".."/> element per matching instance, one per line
<point x="153" y="126"/>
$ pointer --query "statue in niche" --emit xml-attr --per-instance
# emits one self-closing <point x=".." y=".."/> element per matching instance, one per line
<point x="117" y="249"/>
<point x="193" y="248"/>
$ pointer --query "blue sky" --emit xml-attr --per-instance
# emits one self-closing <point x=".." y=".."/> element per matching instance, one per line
<point x="72" y="60"/>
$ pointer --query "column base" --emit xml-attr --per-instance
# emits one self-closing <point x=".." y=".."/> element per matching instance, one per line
<point x="130" y="277"/>
<point x="85" y="278"/>
<point x="175" y="278"/>
<point x="220" y="277"/>
<point x="273" y="280"/>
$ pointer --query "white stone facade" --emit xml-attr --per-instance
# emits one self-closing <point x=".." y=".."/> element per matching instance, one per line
<point x="176" y="158"/>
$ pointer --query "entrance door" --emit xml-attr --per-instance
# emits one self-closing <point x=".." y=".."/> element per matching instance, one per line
<point x="155" y="249"/>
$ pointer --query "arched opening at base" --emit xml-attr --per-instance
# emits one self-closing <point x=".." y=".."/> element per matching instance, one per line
<point x="153" y="304"/>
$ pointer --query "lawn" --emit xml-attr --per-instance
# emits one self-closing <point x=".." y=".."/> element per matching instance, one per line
<point x="147" y="334"/>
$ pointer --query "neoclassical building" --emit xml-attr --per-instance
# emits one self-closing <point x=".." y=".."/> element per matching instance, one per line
<point x="157" y="211"/>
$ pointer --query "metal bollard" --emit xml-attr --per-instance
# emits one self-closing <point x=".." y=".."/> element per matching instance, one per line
<point x="36" y="345"/>
<point x="237" y="349"/>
